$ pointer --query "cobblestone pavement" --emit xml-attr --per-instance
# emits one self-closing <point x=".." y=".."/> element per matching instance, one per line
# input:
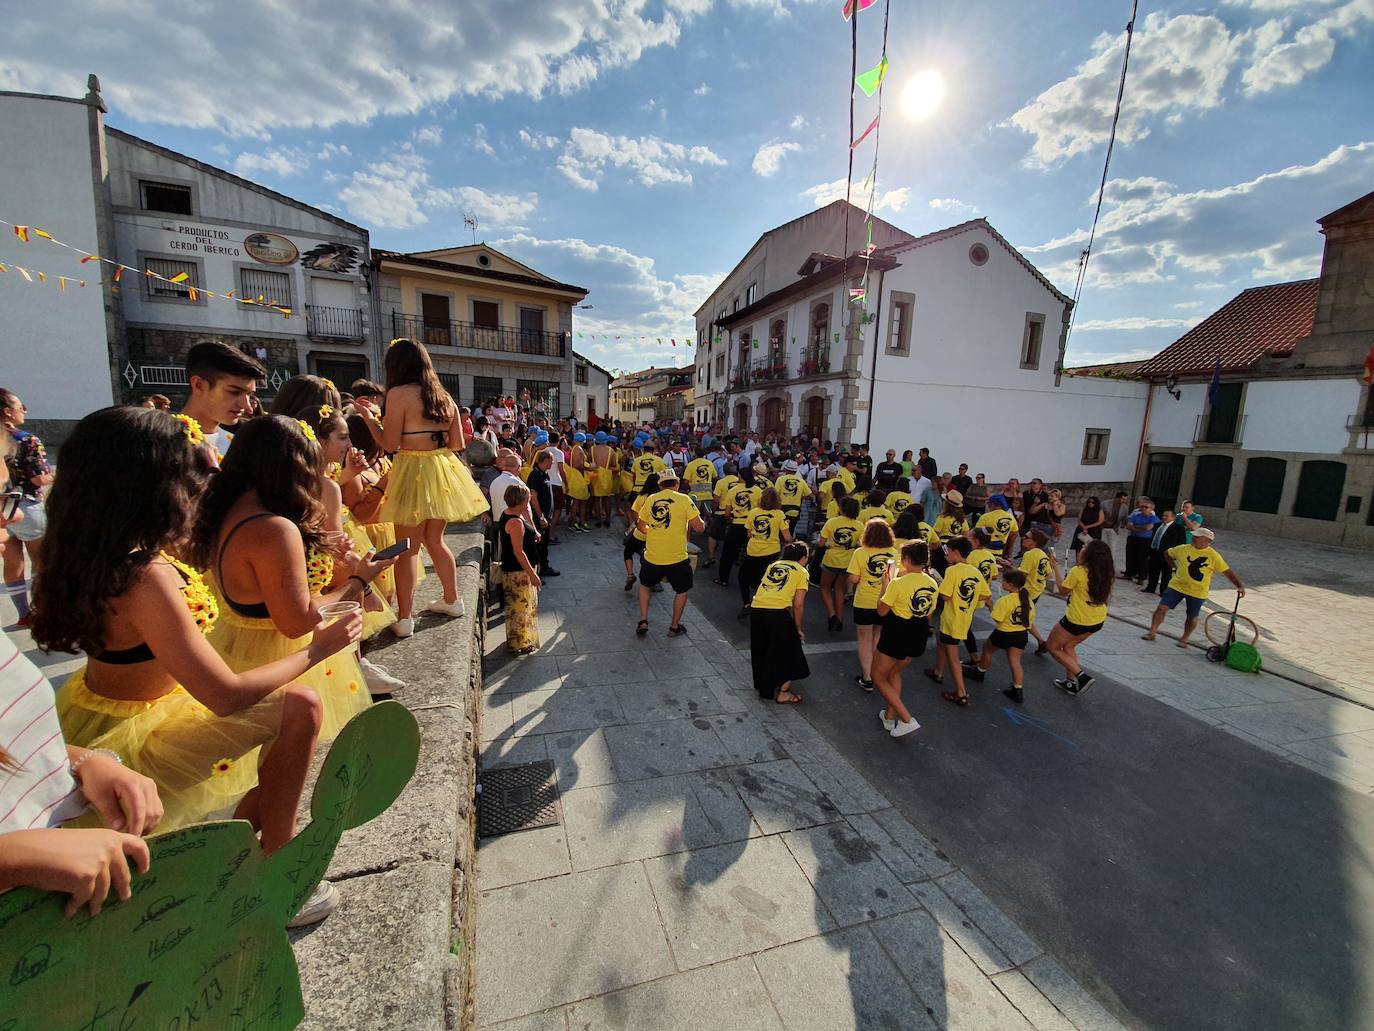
<point x="717" y="862"/>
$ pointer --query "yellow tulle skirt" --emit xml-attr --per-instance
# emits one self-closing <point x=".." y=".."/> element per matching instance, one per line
<point x="373" y="621"/>
<point x="203" y="764"/>
<point x="627" y="483"/>
<point x="246" y="644"/>
<point x="603" y="483"/>
<point x="575" y="483"/>
<point x="431" y="485"/>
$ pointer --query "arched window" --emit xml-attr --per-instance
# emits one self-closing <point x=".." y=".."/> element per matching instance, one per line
<point x="820" y="325"/>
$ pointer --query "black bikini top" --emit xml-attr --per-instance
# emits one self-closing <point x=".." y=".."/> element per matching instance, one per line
<point x="198" y="599"/>
<point x="440" y="437"/>
<point x="257" y="610"/>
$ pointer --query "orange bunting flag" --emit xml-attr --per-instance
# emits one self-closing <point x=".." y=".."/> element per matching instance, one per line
<point x="3" y="268"/>
<point x="1368" y="375"/>
<point x="24" y="272"/>
<point x="864" y="135"/>
<point x="42" y="233"/>
<point x="42" y="277"/>
<point x="22" y="232"/>
<point x="180" y="277"/>
<point x="191" y="293"/>
<point x="119" y="271"/>
<point x="62" y="284"/>
<point x="89" y="257"/>
<point x="285" y="312"/>
<point x="230" y="295"/>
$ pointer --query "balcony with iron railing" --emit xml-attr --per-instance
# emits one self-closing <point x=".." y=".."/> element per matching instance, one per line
<point x="1219" y="432"/>
<point x="438" y="333"/>
<point x="815" y="360"/>
<point x="325" y="323"/>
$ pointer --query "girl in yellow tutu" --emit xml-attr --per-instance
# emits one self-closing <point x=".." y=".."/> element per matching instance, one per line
<point x="259" y="531"/>
<point x="236" y="738"/>
<point x="429" y="487"/>
<point x="605" y="477"/>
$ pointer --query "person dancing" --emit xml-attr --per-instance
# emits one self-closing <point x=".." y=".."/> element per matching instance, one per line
<point x="905" y="609"/>
<point x="775" y="626"/>
<point x="1088" y="586"/>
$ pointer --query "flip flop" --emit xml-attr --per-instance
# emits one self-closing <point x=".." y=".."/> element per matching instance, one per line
<point x="642" y="629"/>
<point x="954" y="699"/>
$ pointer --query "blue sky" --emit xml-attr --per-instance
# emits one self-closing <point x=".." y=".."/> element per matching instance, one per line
<point x="638" y="147"/>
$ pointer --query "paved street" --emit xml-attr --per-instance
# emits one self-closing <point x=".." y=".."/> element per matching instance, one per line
<point x="1190" y="844"/>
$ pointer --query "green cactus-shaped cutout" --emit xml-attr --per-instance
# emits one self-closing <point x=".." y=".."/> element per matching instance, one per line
<point x="202" y="942"/>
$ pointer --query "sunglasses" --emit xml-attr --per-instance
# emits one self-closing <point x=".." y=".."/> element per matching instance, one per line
<point x="9" y="504"/>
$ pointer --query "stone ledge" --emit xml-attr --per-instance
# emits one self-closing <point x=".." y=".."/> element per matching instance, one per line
<point x="398" y="950"/>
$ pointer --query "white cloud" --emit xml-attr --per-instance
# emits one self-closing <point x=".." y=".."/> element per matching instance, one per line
<point x="1190" y="305"/>
<point x="333" y="150"/>
<point x="652" y="160"/>
<point x="887" y="200"/>
<point x="798" y="122"/>
<point x="538" y="141"/>
<point x="703" y="90"/>
<point x="1278" y="64"/>
<point x="479" y="141"/>
<point x="770" y="155"/>
<point x="275" y="161"/>
<point x="1178" y="64"/>
<point x="1133" y="323"/>
<point x="420" y="54"/>
<point x="396" y="192"/>
<point x="429" y="134"/>
<point x="953" y="207"/>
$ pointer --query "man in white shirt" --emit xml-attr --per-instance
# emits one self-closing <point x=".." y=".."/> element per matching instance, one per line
<point x="509" y="464"/>
<point x="918" y="483"/>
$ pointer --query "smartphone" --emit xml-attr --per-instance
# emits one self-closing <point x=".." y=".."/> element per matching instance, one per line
<point x="399" y="548"/>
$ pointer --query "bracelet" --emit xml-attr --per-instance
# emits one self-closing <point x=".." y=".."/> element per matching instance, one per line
<point x="367" y="587"/>
<point x="92" y="753"/>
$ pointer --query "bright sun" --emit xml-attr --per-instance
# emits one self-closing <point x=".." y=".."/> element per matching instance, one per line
<point x="922" y="95"/>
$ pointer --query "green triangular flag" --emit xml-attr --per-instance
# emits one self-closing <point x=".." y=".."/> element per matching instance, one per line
<point x="837" y="338"/>
<point x="756" y="343"/>
<point x="870" y="80"/>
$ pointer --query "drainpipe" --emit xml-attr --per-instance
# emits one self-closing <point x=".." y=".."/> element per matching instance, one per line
<point x="1063" y="343"/>
<point x="1137" y="487"/>
<point x="873" y="379"/>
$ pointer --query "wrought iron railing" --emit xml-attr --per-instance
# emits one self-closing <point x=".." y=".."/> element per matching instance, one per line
<point x="438" y="333"/>
<point x="333" y="323"/>
<point x="1208" y="430"/>
<point x="771" y="368"/>
<point x="815" y="359"/>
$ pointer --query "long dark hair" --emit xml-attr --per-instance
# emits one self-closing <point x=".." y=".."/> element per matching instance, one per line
<point x="302" y="392"/>
<point x="908" y="524"/>
<point x="362" y="438"/>
<point x="1096" y="557"/>
<point x="272" y="456"/>
<point x="1092" y="508"/>
<point x="95" y="550"/>
<point x="1017" y="579"/>
<point x="408" y="362"/>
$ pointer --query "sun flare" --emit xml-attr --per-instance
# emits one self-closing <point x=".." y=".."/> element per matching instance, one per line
<point x="923" y="94"/>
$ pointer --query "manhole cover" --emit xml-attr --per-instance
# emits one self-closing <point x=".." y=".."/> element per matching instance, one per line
<point x="516" y="798"/>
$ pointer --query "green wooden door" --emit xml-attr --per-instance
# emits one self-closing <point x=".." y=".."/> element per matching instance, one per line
<point x="1320" y="486"/>
<point x="1212" y="482"/>
<point x="1224" y="419"/>
<point x="1263" y="485"/>
<point x="1161" y="479"/>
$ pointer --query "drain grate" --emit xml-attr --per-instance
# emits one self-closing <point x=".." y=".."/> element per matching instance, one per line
<point x="516" y="798"/>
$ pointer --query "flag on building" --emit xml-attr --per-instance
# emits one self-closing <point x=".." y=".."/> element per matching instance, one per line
<point x="1214" y="391"/>
<point x="1368" y="375"/>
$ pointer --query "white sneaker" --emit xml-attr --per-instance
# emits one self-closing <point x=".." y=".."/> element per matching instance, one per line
<point x="379" y="678"/>
<point x="454" y="608"/>
<point x="403" y="627"/>
<point x="901" y="728"/>
<point x="887" y="723"/>
<point x="318" y="906"/>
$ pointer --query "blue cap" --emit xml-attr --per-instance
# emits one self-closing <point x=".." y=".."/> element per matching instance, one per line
<point x="579" y="438"/>
<point x="601" y="437"/>
<point x="998" y="499"/>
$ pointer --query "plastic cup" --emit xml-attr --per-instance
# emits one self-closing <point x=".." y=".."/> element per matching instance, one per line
<point x="338" y="610"/>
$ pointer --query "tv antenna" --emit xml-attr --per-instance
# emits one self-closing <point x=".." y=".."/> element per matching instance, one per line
<point x="470" y="220"/>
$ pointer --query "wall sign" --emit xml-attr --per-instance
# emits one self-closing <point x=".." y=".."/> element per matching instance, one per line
<point x="202" y="240"/>
<point x="270" y="248"/>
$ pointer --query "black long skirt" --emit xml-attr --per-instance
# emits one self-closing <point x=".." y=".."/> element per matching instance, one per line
<point x="775" y="650"/>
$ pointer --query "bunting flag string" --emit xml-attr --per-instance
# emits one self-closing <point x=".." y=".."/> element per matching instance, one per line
<point x="28" y="276"/>
<point x="23" y="232"/>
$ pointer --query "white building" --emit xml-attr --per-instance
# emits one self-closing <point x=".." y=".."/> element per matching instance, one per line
<point x="157" y="211"/>
<point x="958" y="348"/>
<point x="1284" y="444"/>
<point x="591" y="389"/>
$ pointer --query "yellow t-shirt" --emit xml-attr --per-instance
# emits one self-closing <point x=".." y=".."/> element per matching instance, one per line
<point x="780" y="584"/>
<point x="947" y="527"/>
<point x="843" y="535"/>
<point x="1036" y="565"/>
<point x="1001" y="524"/>
<point x="847" y="478"/>
<point x="668" y="512"/>
<point x="791" y="490"/>
<point x="1006" y="611"/>
<point x="645" y="466"/>
<point x="723" y="487"/>
<point x="985" y="562"/>
<point x="700" y="474"/>
<point x="1193" y="569"/>
<point x="742" y="500"/>
<point x="1080" y="610"/>
<point x="635" y="506"/>
<point x="765" y="532"/>
<point x="931" y="537"/>
<point x="867" y="513"/>
<point x="963" y="588"/>
<point x="897" y="502"/>
<point x="911" y="595"/>
<point x="869" y="565"/>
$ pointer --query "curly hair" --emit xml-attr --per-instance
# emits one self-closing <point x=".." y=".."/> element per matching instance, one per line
<point x="1096" y="557"/>
<point x="97" y="547"/>
<point x="408" y="362"/>
<point x="877" y="534"/>
<point x="273" y="457"/>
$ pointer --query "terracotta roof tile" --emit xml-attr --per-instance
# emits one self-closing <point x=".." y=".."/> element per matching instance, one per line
<point x="1259" y="321"/>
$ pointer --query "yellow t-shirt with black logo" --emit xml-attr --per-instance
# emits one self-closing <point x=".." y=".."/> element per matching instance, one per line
<point x="645" y="466"/>
<point x="843" y="536"/>
<point x="963" y="588"/>
<point x="911" y="595"/>
<point x="700" y="474"/>
<point x="1006" y="614"/>
<point x="985" y="562"/>
<point x="947" y="527"/>
<point x="1001" y="524"/>
<point x="1193" y="569"/>
<point x="1080" y="609"/>
<point x="765" y="532"/>
<point x="791" y="490"/>
<point x="780" y="584"/>
<point x="869" y="565"/>
<point x="724" y="486"/>
<point x="742" y="500"/>
<point x="897" y="502"/>
<point x="668" y="514"/>
<point x="635" y="506"/>
<point x="928" y="534"/>
<point x="874" y="512"/>
<point x="847" y="478"/>
<point x="1036" y="565"/>
<point x="778" y="589"/>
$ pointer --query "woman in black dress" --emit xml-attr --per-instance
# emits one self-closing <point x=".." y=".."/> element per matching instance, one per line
<point x="1089" y="527"/>
<point x="775" y="626"/>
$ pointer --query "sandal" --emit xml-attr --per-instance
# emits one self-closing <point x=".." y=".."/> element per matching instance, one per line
<point x="791" y="699"/>
<point x="955" y="699"/>
<point x="642" y="629"/>
<point x="937" y="677"/>
<point x="677" y="631"/>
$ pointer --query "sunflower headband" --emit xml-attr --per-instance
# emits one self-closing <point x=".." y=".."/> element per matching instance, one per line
<point x="193" y="431"/>
<point x="307" y="430"/>
<point x="326" y="411"/>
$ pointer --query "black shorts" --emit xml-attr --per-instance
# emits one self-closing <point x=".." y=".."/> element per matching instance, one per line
<point x="1078" y="630"/>
<point x="903" y="638"/>
<point x="718" y="526"/>
<point x="946" y="639"/>
<point x="866" y="617"/>
<point x="678" y="575"/>
<point x="1008" y="638"/>
<point x="633" y="546"/>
